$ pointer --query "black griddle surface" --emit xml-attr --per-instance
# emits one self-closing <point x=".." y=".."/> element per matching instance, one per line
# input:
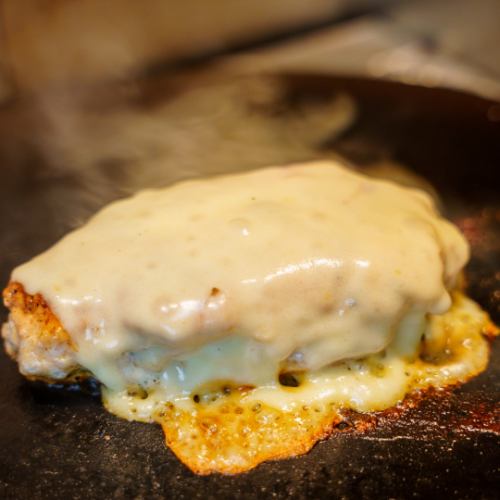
<point x="62" y="444"/>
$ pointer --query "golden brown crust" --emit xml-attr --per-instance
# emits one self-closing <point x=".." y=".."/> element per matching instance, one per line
<point x="34" y="311"/>
<point x="234" y="434"/>
<point x="35" y="337"/>
<point x="235" y="437"/>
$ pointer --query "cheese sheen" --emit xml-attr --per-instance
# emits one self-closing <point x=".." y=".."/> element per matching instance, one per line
<point x="242" y="276"/>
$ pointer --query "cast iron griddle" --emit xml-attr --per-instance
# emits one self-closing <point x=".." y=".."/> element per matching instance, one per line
<point x="62" y="444"/>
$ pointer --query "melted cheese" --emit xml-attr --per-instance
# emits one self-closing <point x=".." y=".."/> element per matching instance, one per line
<point x="235" y="429"/>
<point x="367" y="384"/>
<point x="188" y="302"/>
<point x="240" y="277"/>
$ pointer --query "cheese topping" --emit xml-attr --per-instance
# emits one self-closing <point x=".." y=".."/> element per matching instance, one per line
<point x="242" y="277"/>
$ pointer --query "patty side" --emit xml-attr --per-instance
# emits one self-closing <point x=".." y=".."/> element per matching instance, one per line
<point x="34" y="337"/>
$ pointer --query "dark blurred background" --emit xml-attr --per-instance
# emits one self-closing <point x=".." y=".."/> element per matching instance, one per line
<point x="101" y="98"/>
<point x="52" y="43"/>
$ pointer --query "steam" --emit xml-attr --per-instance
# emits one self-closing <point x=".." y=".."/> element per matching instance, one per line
<point x="65" y="154"/>
<point x="114" y="150"/>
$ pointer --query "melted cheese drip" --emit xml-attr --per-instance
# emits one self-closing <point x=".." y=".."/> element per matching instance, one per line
<point x="372" y="383"/>
<point x="239" y="277"/>
<point x="234" y="430"/>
